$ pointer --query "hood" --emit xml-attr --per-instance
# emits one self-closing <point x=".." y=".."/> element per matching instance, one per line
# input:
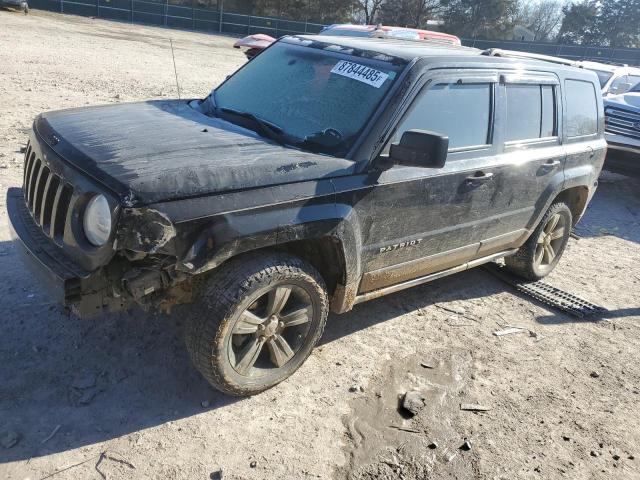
<point x="630" y="101"/>
<point x="165" y="150"/>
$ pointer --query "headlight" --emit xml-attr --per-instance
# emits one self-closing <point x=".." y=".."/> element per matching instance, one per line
<point x="97" y="220"/>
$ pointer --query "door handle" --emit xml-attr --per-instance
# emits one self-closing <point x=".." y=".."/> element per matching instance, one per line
<point x="479" y="177"/>
<point x="551" y="164"/>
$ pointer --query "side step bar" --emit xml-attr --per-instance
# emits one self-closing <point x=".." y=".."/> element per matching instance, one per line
<point x="433" y="276"/>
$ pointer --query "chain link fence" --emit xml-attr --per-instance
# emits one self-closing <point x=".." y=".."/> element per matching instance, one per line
<point x="192" y="15"/>
<point x="211" y="16"/>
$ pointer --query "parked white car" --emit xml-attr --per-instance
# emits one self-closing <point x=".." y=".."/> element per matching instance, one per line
<point x="614" y="79"/>
<point x="621" y="94"/>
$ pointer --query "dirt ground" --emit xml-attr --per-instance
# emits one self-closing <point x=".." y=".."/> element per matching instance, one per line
<point x="115" y="397"/>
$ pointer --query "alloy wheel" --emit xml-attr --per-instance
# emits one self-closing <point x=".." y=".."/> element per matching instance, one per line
<point x="550" y="241"/>
<point x="269" y="333"/>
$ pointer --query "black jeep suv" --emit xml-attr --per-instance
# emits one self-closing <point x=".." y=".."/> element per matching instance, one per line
<point x="326" y="172"/>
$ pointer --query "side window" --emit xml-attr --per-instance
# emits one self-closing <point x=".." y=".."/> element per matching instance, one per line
<point x="530" y="112"/>
<point x="582" y="108"/>
<point x="460" y="111"/>
<point x="632" y="80"/>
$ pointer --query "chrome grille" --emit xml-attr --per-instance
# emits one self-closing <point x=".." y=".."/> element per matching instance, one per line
<point x="622" y="122"/>
<point x="47" y="196"/>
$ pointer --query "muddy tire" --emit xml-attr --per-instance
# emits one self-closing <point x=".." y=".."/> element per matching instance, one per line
<point x="259" y="318"/>
<point x="542" y="251"/>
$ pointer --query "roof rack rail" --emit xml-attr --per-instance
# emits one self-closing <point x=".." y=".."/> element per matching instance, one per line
<point x="498" y="52"/>
<point x="605" y="62"/>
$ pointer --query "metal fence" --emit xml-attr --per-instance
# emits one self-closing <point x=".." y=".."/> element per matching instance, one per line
<point x="210" y="16"/>
<point x="192" y="15"/>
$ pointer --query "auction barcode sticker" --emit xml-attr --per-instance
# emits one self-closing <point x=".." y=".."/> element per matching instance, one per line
<point x="362" y="73"/>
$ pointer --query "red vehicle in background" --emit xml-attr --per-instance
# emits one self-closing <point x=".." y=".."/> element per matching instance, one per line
<point x="259" y="41"/>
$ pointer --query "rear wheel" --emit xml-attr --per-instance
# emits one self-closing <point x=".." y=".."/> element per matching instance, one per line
<point x="260" y="320"/>
<point x="542" y="251"/>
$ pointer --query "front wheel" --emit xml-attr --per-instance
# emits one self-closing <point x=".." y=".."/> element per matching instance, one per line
<point x="261" y="318"/>
<point x="542" y="251"/>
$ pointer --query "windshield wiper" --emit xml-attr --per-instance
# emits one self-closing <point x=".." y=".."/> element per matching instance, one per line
<point x="266" y="129"/>
<point x="328" y="140"/>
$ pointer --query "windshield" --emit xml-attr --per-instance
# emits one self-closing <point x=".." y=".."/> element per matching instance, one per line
<point x="603" y="77"/>
<point x="313" y="98"/>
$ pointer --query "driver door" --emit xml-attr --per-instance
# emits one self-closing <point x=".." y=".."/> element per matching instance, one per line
<point x="416" y="220"/>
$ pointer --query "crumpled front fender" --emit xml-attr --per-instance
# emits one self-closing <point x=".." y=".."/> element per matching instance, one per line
<point x="144" y="230"/>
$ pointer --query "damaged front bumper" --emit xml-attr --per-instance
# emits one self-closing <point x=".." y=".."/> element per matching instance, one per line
<point x="84" y="292"/>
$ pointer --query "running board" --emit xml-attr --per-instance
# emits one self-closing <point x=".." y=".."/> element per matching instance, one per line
<point x="433" y="276"/>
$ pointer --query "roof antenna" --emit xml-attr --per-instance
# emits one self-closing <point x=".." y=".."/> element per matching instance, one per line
<point x="174" y="68"/>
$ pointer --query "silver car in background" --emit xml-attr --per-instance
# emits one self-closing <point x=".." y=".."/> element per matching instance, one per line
<point x="614" y="79"/>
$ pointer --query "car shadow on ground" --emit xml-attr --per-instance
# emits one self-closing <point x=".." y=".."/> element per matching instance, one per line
<point x="465" y="286"/>
<point x="560" y="318"/>
<point x="461" y="287"/>
<point x="98" y="378"/>
<point x="109" y="376"/>
<point x="617" y="211"/>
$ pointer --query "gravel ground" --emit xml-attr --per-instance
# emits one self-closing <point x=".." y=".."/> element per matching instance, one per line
<point x="115" y="397"/>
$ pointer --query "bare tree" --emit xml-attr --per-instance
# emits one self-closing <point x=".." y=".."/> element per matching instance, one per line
<point x="409" y="13"/>
<point x="543" y="18"/>
<point x="369" y="9"/>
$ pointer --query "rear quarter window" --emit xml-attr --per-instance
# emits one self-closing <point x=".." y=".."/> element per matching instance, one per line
<point x="582" y="108"/>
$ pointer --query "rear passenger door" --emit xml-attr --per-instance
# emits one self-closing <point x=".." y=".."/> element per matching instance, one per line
<point x="581" y="127"/>
<point x="532" y="159"/>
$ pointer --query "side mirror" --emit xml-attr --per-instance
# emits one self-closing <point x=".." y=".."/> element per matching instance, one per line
<point x="420" y="148"/>
<point x="621" y="88"/>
